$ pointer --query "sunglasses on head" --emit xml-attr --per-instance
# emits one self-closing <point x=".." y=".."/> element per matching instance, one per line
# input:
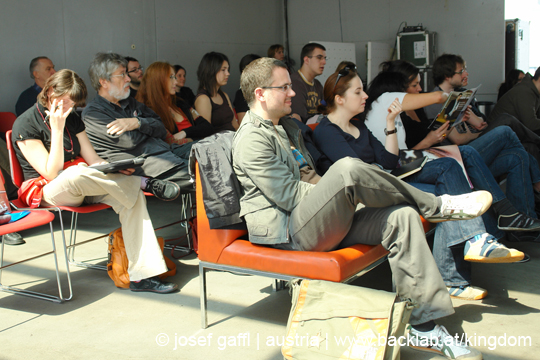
<point x="344" y="72"/>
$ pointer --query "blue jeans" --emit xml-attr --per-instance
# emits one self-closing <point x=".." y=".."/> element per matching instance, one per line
<point x="439" y="177"/>
<point x="502" y="153"/>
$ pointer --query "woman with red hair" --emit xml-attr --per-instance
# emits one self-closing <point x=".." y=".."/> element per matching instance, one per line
<point x="158" y="92"/>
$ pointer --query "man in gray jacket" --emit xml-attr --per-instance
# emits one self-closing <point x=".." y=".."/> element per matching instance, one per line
<point x="352" y="203"/>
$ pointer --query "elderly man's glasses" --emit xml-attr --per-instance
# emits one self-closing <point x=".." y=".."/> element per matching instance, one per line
<point x="343" y="72"/>
<point x="122" y="75"/>
<point x="283" y="88"/>
<point x="135" y="70"/>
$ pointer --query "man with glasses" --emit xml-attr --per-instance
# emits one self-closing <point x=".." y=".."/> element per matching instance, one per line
<point x="287" y="206"/>
<point x="135" y="72"/>
<point x="309" y="91"/>
<point x="121" y="128"/>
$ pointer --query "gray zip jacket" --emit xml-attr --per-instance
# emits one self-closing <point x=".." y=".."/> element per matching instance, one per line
<point x="269" y="176"/>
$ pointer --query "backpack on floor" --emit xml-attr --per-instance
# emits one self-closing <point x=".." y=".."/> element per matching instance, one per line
<point x="331" y="320"/>
<point x="117" y="265"/>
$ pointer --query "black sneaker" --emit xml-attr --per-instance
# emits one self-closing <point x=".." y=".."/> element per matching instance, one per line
<point x="518" y="222"/>
<point x="13" y="239"/>
<point x="162" y="189"/>
<point x="153" y="284"/>
<point x="515" y="236"/>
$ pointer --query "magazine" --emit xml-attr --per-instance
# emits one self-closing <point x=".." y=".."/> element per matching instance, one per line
<point x="454" y="108"/>
<point x="452" y="151"/>
<point x="409" y="163"/>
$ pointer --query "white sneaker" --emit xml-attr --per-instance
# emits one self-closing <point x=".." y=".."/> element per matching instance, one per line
<point x="467" y="292"/>
<point x="440" y="342"/>
<point x="462" y="207"/>
<point x="486" y="249"/>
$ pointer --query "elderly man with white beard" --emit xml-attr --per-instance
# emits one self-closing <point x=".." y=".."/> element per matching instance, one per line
<point x="120" y="128"/>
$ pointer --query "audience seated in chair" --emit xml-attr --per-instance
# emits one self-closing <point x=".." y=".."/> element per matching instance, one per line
<point x="353" y="203"/>
<point x="41" y="68"/>
<point x="339" y="135"/>
<point x="53" y="149"/>
<point x="135" y="72"/>
<point x="240" y="104"/>
<point x="182" y="91"/>
<point x="213" y="103"/>
<point x="120" y="128"/>
<point x="158" y="92"/>
<point x="309" y="91"/>
<point x="450" y="73"/>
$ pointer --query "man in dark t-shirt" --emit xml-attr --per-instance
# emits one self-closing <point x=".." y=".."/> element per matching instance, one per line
<point x="309" y="91"/>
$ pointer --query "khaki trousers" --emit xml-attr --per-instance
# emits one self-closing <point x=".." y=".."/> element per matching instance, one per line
<point x="357" y="203"/>
<point x="81" y="183"/>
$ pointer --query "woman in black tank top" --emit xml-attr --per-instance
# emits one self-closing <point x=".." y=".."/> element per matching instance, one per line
<point x="212" y="103"/>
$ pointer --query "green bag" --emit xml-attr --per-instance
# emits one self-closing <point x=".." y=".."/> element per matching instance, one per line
<point x="331" y="320"/>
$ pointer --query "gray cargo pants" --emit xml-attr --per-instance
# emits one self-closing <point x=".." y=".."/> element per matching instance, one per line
<point x="357" y="203"/>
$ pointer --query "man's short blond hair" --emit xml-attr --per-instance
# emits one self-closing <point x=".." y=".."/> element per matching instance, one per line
<point x="256" y="75"/>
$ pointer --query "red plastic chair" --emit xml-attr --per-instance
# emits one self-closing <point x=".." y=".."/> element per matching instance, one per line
<point x="18" y="178"/>
<point x="37" y="217"/>
<point x="6" y="121"/>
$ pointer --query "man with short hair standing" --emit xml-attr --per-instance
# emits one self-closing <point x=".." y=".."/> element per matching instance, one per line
<point x="309" y="91"/>
<point x="41" y="68"/>
<point x="121" y="128"/>
<point x="135" y="72"/>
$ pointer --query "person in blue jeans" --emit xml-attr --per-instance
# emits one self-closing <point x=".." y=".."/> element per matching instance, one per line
<point x="337" y="136"/>
<point x="500" y="149"/>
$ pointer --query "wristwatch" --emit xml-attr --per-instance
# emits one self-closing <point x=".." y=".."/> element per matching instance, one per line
<point x="386" y="132"/>
<point x="139" y="122"/>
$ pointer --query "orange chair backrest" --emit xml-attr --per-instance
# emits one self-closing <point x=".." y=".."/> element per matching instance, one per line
<point x="211" y="242"/>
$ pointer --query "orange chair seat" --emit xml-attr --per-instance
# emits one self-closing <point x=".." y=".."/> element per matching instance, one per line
<point x="337" y="265"/>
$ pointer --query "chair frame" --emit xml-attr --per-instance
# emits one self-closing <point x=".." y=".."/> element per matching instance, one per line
<point x="16" y="175"/>
<point x="375" y="256"/>
<point x="18" y="226"/>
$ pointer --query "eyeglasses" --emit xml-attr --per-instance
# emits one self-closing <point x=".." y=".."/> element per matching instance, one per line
<point x="461" y="71"/>
<point x="173" y="77"/>
<point x="343" y="72"/>
<point x="320" y="57"/>
<point x="122" y="75"/>
<point x="283" y="88"/>
<point x="136" y="69"/>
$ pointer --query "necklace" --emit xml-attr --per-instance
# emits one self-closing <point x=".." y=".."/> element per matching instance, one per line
<point x="70" y="139"/>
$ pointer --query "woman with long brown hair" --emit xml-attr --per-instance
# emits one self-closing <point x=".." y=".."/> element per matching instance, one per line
<point x="158" y="92"/>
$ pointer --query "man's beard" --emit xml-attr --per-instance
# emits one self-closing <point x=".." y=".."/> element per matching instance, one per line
<point x="119" y="94"/>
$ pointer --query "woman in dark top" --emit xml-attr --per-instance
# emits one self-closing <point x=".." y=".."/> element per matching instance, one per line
<point x="157" y="91"/>
<point x="182" y="91"/>
<point x="337" y="136"/>
<point x="213" y="104"/>
<point x="54" y="151"/>
<point x="240" y="105"/>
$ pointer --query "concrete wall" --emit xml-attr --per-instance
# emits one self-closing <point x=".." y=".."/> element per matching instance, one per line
<point x="178" y="31"/>
<point x="474" y="29"/>
<point x="181" y="31"/>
